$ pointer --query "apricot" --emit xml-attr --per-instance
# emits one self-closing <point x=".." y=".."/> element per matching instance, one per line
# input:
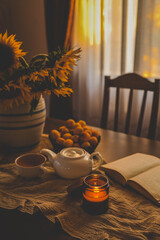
<point x="67" y="136"/>
<point x="95" y="133"/>
<point x="60" y="141"/>
<point x="63" y="129"/>
<point x="85" y="145"/>
<point x="89" y="131"/>
<point x="76" y="145"/>
<point x="77" y="125"/>
<point x="78" y="130"/>
<point x="55" y="134"/>
<point x="86" y="128"/>
<point x="75" y="138"/>
<point x="93" y="141"/>
<point x="82" y="123"/>
<point x="85" y="136"/>
<point x="70" y="123"/>
<point x="68" y="143"/>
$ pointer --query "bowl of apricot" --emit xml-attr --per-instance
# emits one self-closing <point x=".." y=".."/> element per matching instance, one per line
<point x="74" y="134"/>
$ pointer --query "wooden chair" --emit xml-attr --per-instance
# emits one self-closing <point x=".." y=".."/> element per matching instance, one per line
<point x="131" y="81"/>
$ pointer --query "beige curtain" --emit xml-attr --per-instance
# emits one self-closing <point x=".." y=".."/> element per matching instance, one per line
<point x="116" y="36"/>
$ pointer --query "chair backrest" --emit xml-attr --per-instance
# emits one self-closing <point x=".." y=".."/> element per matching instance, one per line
<point x="133" y="82"/>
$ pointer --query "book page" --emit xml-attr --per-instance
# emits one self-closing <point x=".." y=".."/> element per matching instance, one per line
<point x="130" y="166"/>
<point x="148" y="183"/>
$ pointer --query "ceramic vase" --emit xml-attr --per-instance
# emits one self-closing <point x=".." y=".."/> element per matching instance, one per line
<point x="20" y="128"/>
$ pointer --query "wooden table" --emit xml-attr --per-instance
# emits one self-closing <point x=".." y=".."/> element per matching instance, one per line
<point x="16" y="225"/>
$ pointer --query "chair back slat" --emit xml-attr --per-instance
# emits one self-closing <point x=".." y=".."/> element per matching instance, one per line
<point x="116" y="110"/>
<point x="128" y="117"/>
<point x="105" y="107"/>
<point x="141" y="114"/>
<point x="131" y="81"/>
<point x="154" y="113"/>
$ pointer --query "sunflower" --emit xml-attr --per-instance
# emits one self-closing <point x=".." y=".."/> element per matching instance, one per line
<point x="22" y="82"/>
<point x="9" y="52"/>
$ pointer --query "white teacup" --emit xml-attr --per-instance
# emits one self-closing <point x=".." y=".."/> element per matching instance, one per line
<point x="30" y="165"/>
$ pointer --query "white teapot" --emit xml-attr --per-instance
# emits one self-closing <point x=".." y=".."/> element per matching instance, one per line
<point x="73" y="162"/>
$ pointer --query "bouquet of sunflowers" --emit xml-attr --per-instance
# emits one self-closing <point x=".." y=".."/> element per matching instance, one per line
<point x="22" y="82"/>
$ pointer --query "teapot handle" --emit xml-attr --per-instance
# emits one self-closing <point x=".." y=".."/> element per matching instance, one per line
<point x="49" y="154"/>
<point x="96" y="162"/>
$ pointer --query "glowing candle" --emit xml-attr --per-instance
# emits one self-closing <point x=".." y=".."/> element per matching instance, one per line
<point x="95" y="193"/>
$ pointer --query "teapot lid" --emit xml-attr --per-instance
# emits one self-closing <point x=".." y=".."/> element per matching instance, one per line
<point x="72" y="152"/>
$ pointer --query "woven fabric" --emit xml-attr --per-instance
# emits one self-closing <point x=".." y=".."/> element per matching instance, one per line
<point x="129" y="216"/>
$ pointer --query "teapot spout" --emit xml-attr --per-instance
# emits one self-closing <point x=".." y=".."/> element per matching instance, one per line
<point x="49" y="154"/>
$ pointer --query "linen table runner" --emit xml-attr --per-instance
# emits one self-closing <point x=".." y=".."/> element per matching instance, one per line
<point x="130" y="215"/>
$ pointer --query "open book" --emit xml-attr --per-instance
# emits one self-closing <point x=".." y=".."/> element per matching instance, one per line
<point x="140" y="171"/>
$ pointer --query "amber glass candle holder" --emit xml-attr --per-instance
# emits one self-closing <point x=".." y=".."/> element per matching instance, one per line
<point x="95" y="194"/>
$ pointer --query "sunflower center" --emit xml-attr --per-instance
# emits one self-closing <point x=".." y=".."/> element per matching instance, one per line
<point x="6" y="57"/>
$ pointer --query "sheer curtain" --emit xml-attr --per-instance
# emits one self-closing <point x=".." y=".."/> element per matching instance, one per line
<point x="116" y="36"/>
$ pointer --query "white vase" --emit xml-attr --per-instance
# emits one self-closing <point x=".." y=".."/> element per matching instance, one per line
<point x="19" y="128"/>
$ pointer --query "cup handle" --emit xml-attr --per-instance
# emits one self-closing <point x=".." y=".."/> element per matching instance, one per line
<point x="44" y="169"/>
<point x="96" y="162"/>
